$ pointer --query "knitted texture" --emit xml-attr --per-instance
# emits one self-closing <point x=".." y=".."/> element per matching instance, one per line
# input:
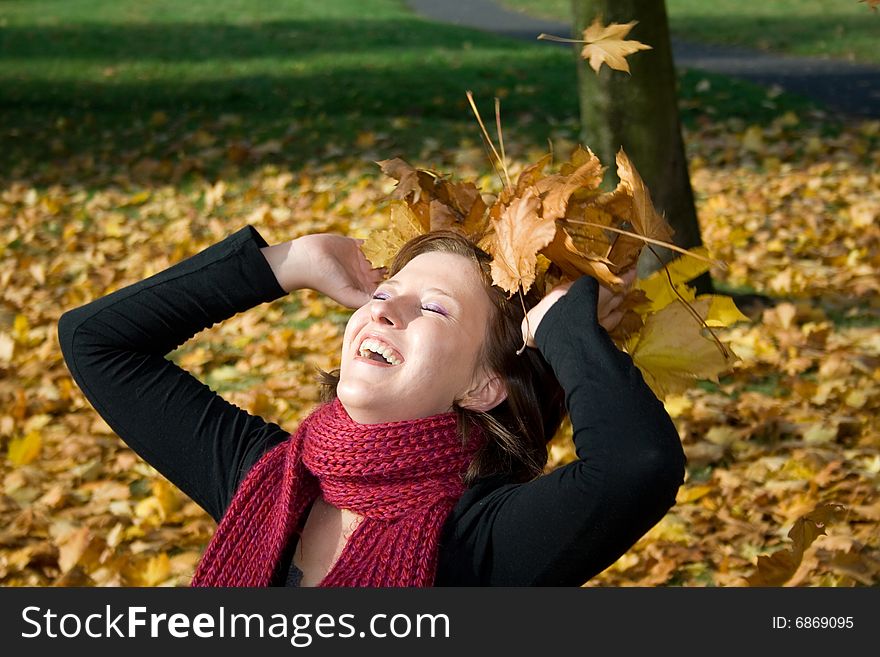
<point x="404" y="478"/>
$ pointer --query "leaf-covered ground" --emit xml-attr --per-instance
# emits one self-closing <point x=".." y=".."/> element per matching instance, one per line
<point x="793" y="212"/>
<point x="103" y="185"/>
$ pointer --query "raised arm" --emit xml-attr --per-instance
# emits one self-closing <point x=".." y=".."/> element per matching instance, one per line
<point x="115" y="349"/>
<point x="565" y="527"/>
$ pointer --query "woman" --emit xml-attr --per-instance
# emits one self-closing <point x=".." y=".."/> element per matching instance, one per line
<point x="424" y="467"/>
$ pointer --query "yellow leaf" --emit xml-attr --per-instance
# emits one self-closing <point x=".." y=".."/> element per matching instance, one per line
<point x="672" y="352"/>
<point x="680" y="270"/>
<point x="692" y="493"/>
<point x="382" y="245"/>
<point x="20" y="328"/>
<point x="723" y="311"/>
<point x="139" y="199"/>
<point x="156" y="570"/>
<point x="605" y="44"/>
<point x="167" y="496"/>
<point x="23" y="450"/>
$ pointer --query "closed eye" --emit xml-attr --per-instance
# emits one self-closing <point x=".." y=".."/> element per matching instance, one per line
<point x="434" y="309"/>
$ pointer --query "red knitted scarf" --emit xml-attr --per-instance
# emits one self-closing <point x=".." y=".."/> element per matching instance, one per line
<point x="403" y="477"/>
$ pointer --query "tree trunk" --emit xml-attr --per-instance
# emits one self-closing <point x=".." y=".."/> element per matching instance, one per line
<point x="640" y="113"/>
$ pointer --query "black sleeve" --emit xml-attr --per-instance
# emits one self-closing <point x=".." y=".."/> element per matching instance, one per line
<point x="115" y="349"/>
<point x="564" y="527"/>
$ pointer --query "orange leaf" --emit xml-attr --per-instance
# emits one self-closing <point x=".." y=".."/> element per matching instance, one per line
<point x="556" y="190"/>
<point x="518" y="236"/>
<point x="646" y="221"/>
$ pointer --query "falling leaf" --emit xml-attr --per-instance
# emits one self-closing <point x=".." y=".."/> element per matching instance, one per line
<point x="777" y="568"/>
<point x="605" y="44"/>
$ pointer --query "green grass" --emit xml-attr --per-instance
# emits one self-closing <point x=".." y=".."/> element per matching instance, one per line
<point x="845" y="29"/>
<point x="113" y="83"/>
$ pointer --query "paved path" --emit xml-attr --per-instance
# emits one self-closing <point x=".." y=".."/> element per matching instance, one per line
<point x="842" y="87"/>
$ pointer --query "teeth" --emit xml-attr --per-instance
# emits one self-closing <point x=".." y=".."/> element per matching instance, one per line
<point x="377" y="347"/>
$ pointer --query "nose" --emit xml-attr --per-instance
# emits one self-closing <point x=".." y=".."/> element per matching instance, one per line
<point x="385" y="312"/>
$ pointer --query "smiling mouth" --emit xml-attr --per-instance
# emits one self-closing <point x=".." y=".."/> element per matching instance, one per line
<point x="374" y="350"/>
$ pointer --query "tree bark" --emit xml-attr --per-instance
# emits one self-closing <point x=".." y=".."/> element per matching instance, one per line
<point x="640" y="113"/>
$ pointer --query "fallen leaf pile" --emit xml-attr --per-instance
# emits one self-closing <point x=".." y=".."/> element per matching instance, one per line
<point x="793" y="426"/>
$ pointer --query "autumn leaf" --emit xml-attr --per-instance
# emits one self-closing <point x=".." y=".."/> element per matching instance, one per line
<point x="516" y="239"/>
<point x="381" y="246"/>
<point x="672" y="352"/>
<point x="777" y="568"/>
<point x="24" y="450"/>
<point x="436" y="202"/>
<point x="605" y="44"/>
<point x="557" y="189"/>
<point x="565" y="255"/>
<point x="661" y="286"/>
<point x="645" y="219"/>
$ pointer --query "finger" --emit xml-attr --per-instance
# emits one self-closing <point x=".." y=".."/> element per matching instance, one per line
<point x="611" y="320"/>
<point x="629" y="276"/>
<point x="613" y="302"/>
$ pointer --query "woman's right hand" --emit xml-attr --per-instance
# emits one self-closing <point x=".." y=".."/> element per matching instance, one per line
<point x="608" y="314"/>
<point x="327" y="263"/>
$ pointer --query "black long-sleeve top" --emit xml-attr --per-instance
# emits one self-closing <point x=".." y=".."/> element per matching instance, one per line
<point x="559" y="529"/>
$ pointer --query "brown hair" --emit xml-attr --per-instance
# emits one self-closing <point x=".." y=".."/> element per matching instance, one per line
<point x="520" y="427"/>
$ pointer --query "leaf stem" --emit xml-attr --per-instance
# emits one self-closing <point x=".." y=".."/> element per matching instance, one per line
<point x="526" y="317"/>
<point x="552" y="37"/>
<point x="724" y="351"/>
<point x="470" y="97"/>
<point x="501" y="140"/>
<point x="650" y="240"/>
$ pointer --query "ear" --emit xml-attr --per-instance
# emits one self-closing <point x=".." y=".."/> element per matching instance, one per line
<point x="488" y="391"/>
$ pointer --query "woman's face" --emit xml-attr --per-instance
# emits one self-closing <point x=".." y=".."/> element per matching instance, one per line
<point x="429" y="321"/>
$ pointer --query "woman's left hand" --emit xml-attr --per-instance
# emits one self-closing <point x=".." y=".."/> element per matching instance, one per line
<point x="607" y="306"/>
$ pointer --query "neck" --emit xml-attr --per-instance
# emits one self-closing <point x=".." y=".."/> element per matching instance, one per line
<point x="370" y="415"/>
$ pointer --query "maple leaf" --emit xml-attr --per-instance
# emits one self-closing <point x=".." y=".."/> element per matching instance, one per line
<point x="565" y="255"/>
<point x="586" y="228"/>
<point x="530" y="175"/>
<point x="382" y="245"/>
<point x="645" y="219"/>
<point x="657" y="286"/>
<point x="672" y="352"/>
<point x="556" y="190"/>
<point x="605" y="44"/>
<point x="777" y="568"/>
<point x="517" y="237"/>
<point x="437" y="203"/>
